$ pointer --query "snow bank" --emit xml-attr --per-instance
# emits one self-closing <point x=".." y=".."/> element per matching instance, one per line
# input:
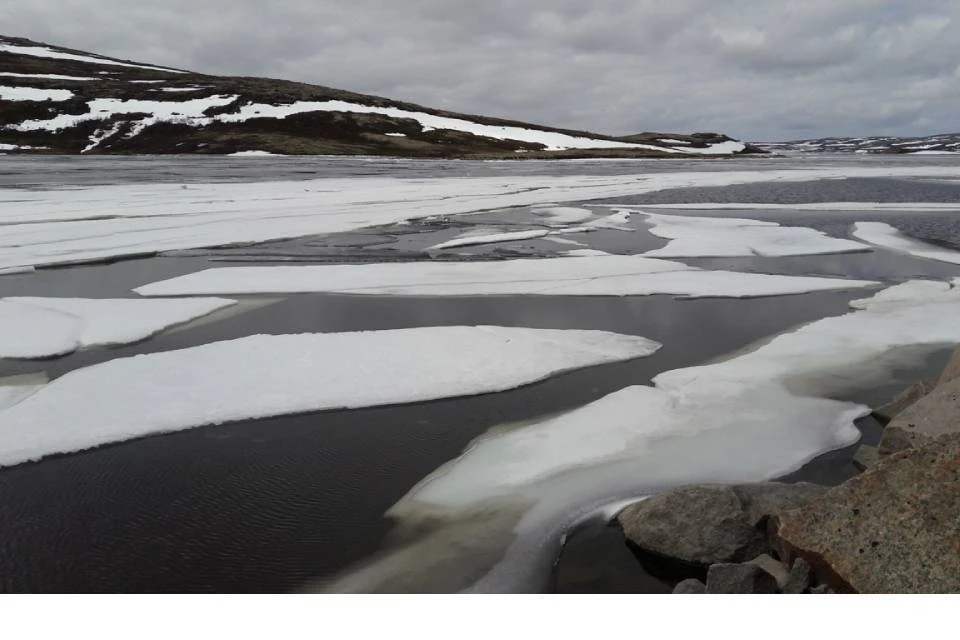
<point x="552" y="140"/>
<point x="267" y="375"/>
<point x="46" y="327"/>
<point x="31" y="93"/>
<point x="44" y="76"/>
<point x="187" y="111"/>
<point x="884" y="235"/>
<point x="591" y="276"/>
<point x="54" y="226"/>
<point x="47" y="52"/>
<point x="720" y="237"/>
<point x="514" y="491"/>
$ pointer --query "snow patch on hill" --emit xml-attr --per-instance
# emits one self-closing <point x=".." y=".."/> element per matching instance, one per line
<point x="47" y="52"/>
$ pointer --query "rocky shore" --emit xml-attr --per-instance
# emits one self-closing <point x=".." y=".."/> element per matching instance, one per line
<point x="894" y="528"/>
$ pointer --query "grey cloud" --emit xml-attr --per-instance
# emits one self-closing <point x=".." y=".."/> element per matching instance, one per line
<point x="776" y="69"/>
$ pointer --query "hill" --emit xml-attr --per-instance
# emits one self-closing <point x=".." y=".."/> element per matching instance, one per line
<point x="936" y="144"/>
<point x="64" y="101"/>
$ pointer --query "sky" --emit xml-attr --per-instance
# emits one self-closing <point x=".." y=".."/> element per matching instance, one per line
<point x="759" y="70"/>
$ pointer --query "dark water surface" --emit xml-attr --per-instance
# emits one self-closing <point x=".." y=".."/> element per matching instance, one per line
<point x="266" y="505"/>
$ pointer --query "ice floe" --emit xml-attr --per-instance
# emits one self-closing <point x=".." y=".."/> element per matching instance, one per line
<point x="889" y="237"/>
<point x="252" y="154"/>
<point x="714" y="237"/>
<point x="564" y="215"/>
<point x="267" y="375"/>
<point x="33" y="327"/>
<point x="55" y="226"/>
<point x="757" y="415"/>
<point x="610" y="275"/>
<point x="490" y="238"/>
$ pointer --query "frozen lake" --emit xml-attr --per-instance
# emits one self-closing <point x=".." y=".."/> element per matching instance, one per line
<point x="274" y="503"/>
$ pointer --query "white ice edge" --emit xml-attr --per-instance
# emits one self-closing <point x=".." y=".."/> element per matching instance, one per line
<point x="889" y="237"/>
<point x="56" y="226"/>
<point x="32" y="327"/>
<point x="606" y="275"/>
<point x="268" y="375"/>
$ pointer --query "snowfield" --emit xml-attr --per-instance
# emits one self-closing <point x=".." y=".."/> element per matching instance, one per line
<point x="47" y="52"/>
<point x="53" y="226"/>
<point x="30" y="93"/>
<point x="267" y="375"/>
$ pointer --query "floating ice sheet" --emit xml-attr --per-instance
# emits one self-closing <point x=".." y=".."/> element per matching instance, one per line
<point x="692" y="236"/>
<point x="610" y="275"/>
<point x="514" y="491"/>
<point x="884" y="235"/>
<point x="268" y="375"/>
<point x="53" y="226"/>
<point x="46" y="327"/>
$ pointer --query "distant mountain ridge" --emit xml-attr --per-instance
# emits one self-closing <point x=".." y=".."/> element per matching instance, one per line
<point x="939" y="144"/>
<point x="58" y="100"/>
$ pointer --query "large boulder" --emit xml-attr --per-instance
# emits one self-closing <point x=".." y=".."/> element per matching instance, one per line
<point x="798" y="580"/>
<point x="904" y="399"/>
<point x="952" y="370"/>
<point x="739" y="578"/>
<point x="697" y="525"/>
<point x="764" y="499"/>
<point x="934" y="415"/>
<point x="691" y="585"/>
<point x="865" y="457"/>
<point x="893" y="529"/>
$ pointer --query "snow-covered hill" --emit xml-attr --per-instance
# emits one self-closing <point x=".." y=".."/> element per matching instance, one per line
<point x="56" y="100"/>
<point x="937" y="144"/>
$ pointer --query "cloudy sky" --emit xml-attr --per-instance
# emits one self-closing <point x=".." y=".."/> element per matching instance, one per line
<point x="755" y="69"/>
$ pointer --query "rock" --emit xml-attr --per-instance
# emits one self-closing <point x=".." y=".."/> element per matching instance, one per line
<point x="765" y="499"/>
<point x="799" y="578"/>
<point x="821" y="589"/>
<point x="904" y="399"/>
<point x="934" y="415"/>
<point x="698" y="525"/>
<point x="739" y="578"/>
<point x="690" y="586"/>
<point x="952" y="371"/>
<point x="893" y="529"/>
<point x="776" y="570"/>
<point x="865" y="457"/>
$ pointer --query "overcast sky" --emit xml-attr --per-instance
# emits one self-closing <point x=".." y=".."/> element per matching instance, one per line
<point x="755" y="69"/>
